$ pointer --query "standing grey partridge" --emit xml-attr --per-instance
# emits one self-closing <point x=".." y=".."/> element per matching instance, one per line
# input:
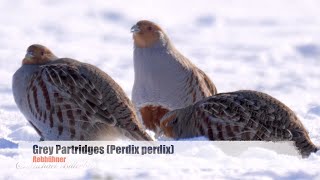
<point x="64" y="99"/>
<point x="240" y="115"/>
<point x="164" y="79"/>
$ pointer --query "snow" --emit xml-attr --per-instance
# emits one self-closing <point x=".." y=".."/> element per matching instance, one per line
<point x="270" y="46"/>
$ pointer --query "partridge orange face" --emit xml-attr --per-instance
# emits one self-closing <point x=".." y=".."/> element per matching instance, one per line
<point x="38" y="54"/>
<point x="146" y="33"/>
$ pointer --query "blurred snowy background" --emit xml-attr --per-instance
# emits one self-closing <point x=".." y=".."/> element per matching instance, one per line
<point x="268" y="45"/>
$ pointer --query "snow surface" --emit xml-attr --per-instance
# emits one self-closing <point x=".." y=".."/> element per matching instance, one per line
<point x="268" y="45"/>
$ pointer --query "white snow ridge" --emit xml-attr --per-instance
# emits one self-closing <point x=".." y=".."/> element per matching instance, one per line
<point x="269" y="46"/>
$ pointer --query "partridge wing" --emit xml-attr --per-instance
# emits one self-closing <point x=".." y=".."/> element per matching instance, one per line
<point x="234" y="117"/>
<point x="71" y="84"/>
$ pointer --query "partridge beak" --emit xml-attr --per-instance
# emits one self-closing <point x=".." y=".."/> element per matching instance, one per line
<point x="29" y="55"/>
<point x="135" y="29"/>
<point x="28" y="58"/>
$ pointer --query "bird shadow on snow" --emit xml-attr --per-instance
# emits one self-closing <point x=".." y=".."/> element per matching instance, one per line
<point x="288" y="176"/>
<point x="112" y="16"/>
<point x="315" y="110"/>
<point x="116" y="17"/>
<point x="9" y="107"/>
<point x="252" y="22"/>
<point x="5" y="90"/>
<point x="309" y="50"/>
<point x="207" y="20"/>
<point x="4" y="143"/>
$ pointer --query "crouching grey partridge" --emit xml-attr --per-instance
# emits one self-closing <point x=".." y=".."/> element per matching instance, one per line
<point x="64" y="99"/>
<point x="240" y="115"/>
<point x="164" y="79"/>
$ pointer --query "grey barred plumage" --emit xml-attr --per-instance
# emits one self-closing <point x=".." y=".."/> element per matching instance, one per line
<point x="164" y="78"/>
<point x="239" y="115"/>
<point x="65" y="99"/>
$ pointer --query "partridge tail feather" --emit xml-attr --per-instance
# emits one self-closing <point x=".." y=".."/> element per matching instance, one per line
<point x="305" y="146"/>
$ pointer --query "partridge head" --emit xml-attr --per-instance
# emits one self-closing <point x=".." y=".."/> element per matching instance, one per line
<point x="38" y="54"/>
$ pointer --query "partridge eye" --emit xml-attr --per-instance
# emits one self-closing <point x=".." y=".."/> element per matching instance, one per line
<point x="42" y="53"/>
<point x="149" y="28"/>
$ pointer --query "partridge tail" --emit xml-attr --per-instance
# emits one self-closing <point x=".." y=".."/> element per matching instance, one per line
<point x="304" y="145"/>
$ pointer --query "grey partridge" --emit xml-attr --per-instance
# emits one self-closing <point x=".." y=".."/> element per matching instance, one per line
<point x="64" y="99"/>
<point x="240" y="115"/>
<point x="164" y="79"/>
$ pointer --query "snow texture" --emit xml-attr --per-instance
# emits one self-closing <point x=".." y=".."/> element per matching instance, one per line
<point x="268" y="45"/>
